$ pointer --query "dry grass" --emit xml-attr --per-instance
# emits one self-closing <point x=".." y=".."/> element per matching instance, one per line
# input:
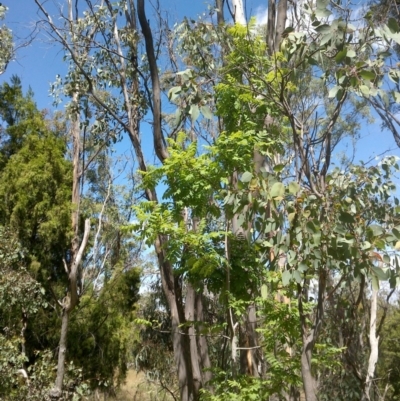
<point x="136" y="388"/>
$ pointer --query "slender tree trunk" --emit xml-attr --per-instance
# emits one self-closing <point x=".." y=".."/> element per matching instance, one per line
<point x="190" y="316"/>
<point x="310" y="333"/>
<point x="187" y="378"/>
<point x="374" y="346"/>
<point x="73" y="269"/>
<point x="239" y="15"/>
<point x="309" y="384"/>
<point x="277" y="16"/>
<point x="249" y="354"/>
<point x="219" y="4"/>
<point x="205" y="363"/>
<point x="56" y="391"/>
<point x="180" y="339"/>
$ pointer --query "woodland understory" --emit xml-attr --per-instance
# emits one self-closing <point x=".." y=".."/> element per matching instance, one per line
<point x="195" y="206"/>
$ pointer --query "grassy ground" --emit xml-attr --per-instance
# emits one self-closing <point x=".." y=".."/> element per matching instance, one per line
<point x="136" y="388"/>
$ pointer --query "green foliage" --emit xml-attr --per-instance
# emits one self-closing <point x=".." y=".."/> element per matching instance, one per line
<point x="242" y="388"/>
<point x="388" y="365"/>
<point x="101" y="332"/>
<point x="21" y="298"/>
<point x="35" y="188"/>
<point x="35" y="180"/>
<point x="6" y="44"/>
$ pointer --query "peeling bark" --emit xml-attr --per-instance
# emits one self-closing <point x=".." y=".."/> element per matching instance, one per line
<point x="249" y="353"/>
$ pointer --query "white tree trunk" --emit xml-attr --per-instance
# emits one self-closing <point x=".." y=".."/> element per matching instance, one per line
<point x="238" y="12"/>
<point x="374" y="344"/>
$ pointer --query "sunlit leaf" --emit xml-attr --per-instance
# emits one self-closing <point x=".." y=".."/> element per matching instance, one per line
<point x="278" y="189"/>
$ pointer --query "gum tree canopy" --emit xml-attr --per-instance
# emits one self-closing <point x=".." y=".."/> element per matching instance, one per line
<point x="269" y="241"/>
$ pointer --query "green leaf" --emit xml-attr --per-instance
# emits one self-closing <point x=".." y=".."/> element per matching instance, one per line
<point x="369" y="75"/>
<point x="297" y="276"/>
<point x="324" y="29"/>
<point x="264" y="291"/>
<point x="375" y="282"/>
<point x="350" y="53"/>
<point x="294" y="187"/>
<point x="205" y="110"/>
<point x="174" y="93"/>
<point x="194" y="112"/>
<point x="278" y="189"/>
<point x="381" y="274"/>
<point x="333" y="91"/>
<point x="376" y="230"/>
<point x="364" y="90"/>
<point x="321" y="10"/>
<point x="365" y="245"/>
<point x="246" y="177"/>
<point x="286" y="277"/>
<point x="178" y="115"/>
<point x="278" y="168"/>
<point x="341" y="55"/>
<point x="325" y="39"/>
<point x="312" y="61"/>
<point x="393" y="25"/>
<point x="302" y="267"/>
<point x="311" y="227"/>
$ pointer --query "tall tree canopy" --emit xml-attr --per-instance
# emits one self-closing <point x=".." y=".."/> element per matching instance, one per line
<point x="269" y="248"/>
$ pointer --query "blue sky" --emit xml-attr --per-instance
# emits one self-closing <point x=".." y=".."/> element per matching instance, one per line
<point x="39" y="63"/>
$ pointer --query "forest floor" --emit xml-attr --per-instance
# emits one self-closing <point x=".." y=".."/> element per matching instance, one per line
<point x="136" y="388"/>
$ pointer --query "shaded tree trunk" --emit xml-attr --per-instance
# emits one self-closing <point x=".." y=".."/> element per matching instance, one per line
<point x="205" y="363"/>
<point x="56" y="391"/>
<point x="185" y="351"/>
<point x="249" y="353"/>
<point x="219" y="4"/>
<point x="190" y="317"/>
<point x="77" y="249"/>
<point x="180" y="339"/>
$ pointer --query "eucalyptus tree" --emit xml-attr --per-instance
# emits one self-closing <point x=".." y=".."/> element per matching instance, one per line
<point x="268" y="169"/>
<point x="113" y="62"/>
<point x="35" y="193"/>
<point x="314" y="128"/>
<point x="6" y="42"/>
<point x="93" y="122"/>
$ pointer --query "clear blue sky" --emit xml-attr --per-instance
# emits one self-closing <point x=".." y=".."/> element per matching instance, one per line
<point x="38" y="64"/>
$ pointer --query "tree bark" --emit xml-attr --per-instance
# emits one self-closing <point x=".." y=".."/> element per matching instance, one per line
<point x="190" y="317"/>
<point x="187" y="378"/>
<point x="77" y="247"/>
<point x="374" y="345"/>
<point x="180" y="340"/>
<point x="239" y="15"/>
<point x="205" y="363"/>
<point x="219" y="4"/>
<point x="56" y="391"/>
<point x="309" y="384"/>
<point x="249" y="354"/>
<point x="277" y="17"/>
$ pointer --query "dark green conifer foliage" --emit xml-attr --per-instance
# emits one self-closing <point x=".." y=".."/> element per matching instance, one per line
<point x="35" y="179"/>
